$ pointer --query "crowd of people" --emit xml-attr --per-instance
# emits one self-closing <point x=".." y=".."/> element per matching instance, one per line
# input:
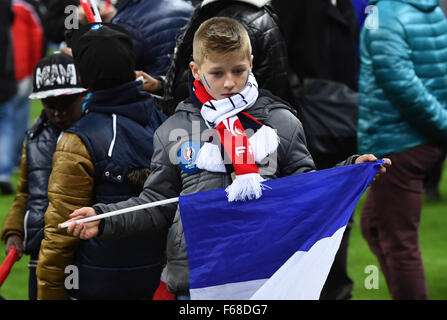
<point x="335" y="92"/>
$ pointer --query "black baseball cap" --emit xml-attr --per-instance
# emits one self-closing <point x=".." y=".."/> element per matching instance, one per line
<point x="55" y="75"/>
<point x="103" y="54"/>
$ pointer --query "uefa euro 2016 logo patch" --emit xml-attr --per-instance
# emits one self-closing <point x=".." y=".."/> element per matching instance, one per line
<point x="187" y="155"/>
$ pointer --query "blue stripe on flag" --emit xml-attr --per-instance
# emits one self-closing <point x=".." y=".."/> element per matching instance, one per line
<point x="240" y="241"/>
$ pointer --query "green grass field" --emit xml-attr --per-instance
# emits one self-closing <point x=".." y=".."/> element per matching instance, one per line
<point x="432" y="236"/>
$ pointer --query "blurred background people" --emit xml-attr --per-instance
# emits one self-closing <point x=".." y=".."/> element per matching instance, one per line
<point x="153" y="25"/>
<point x="62" y="97"/>
<point x="103" y="158"/>
<point x="54" y="21"/>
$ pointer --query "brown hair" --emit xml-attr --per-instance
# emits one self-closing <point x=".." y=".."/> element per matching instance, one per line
<point x="222" y="35"/>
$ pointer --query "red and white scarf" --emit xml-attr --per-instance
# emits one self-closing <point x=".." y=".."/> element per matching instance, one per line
<point x="223" y="116"/>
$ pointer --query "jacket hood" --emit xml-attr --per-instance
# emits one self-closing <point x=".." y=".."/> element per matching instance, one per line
<point x="256" y="3"/>
<point x="126" y="100"/>
<point x="424" y="5"/>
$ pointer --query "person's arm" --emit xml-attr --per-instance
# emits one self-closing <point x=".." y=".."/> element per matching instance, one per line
<point x="293" y="155"/>
<point x="54" y="20"/>
<point x="70" y="187"/>
<point x="13" y="227"/>
<point x="395" y="74"/>
<point x="163" y="183"/>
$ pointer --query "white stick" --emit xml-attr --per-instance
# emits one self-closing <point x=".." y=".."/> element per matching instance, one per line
<point x="121" y="211"/>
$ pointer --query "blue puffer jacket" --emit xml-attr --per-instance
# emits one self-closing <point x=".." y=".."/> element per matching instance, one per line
<point x="403" y="77"/>
<point x="154" y="25"/>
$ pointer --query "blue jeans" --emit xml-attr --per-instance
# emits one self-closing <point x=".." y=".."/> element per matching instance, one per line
<point x="6" y="139"/>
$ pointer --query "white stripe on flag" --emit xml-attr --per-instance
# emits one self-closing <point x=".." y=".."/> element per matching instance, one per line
<point x="229" y="291"/>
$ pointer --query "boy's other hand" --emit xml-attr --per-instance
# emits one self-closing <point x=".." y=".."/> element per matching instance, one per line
<point x="14" y="241"/>
<point x="150" y="84"/>
<point x="85" y="230"/>
<point x="372" y="158"/>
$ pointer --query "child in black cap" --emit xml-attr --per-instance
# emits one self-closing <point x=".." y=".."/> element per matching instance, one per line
<point x="56" y="83"/>
<point x="104" y="157"/>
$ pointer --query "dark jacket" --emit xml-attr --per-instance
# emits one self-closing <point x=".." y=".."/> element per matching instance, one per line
<point x="100" y="159"/>
<point x="153" y="25"/>
<point x="167" y="180"/>
<point x="268" y="48"/>
<point x="321" y="39"/>
<point x="7" y="77"/>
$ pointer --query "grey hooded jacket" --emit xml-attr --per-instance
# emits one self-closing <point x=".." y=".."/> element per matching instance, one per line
<point x="168" y="180"/>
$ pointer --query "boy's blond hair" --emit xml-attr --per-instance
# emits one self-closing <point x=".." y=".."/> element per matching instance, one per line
<point x="221" y="35"/>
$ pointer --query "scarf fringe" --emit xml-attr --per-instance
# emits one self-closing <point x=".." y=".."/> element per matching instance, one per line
<point x="264" y="142"/>
<point x="245" y="187"/>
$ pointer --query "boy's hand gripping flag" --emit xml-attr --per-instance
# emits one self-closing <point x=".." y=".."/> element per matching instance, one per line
<point x="280" y="246"/>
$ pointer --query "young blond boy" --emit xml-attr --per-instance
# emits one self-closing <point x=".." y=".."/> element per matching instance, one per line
<point x="224" y="104"/>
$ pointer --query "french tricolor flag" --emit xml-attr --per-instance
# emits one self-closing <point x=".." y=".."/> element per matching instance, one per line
<point x="280" y="246"/>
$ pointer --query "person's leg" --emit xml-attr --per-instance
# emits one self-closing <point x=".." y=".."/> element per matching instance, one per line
<point x="369" y="226"/>
<point x="397" y="203"/>
<point x="6" y="146"/>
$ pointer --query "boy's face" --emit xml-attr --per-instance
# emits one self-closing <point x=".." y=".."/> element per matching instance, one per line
<point x="64" y="111"/>
<point x="223" y="75"/>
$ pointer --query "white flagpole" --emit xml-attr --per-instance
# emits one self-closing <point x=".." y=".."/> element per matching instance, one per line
<point x="121" y="211"/>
